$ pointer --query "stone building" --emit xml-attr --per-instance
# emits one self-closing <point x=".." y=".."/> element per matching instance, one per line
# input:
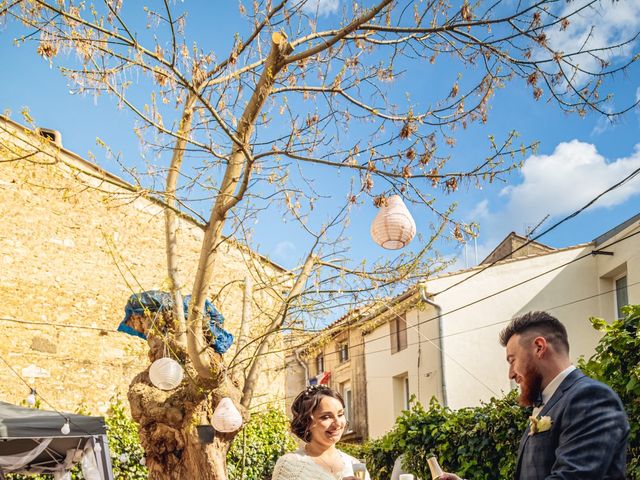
<point x="75" y="243"/>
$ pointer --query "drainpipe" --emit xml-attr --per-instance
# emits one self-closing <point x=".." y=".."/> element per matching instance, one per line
<point x="304" y="367"/>
<point x="425" y="298"/>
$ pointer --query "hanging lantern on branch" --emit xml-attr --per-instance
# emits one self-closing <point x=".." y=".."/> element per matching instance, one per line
<point x="393" y="227"/>
<point x="165" y="373"/>
<point x="226" y="417"/>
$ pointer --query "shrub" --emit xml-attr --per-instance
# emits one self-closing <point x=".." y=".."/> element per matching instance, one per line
<point x="617" y="363"/>
<point x="476" y="442"/>
<point x="256" y="448"/>
<point x="481" y="443"/>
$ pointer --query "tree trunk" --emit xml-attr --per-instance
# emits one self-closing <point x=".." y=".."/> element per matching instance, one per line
<point x="168" y="419"/>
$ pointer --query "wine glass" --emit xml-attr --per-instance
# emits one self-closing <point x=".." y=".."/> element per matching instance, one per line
<point x="360" y="470"/>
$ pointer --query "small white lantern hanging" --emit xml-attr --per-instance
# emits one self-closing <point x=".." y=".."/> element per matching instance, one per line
<point x="226" y="417"/>
<point x="31" y="398"/>
<point x="393" y="227"/>
<point x="165" y="373"/>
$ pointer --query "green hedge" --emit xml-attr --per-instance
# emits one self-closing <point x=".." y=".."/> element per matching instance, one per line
<point x="481" y="443"/>
<point x="255" y="450"/>
<point x="617" y="363"/>
<point x="478" y="443"/>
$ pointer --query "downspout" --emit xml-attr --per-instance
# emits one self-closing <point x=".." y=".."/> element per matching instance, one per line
<point x="304" y="367"/>
<point x="425" y="298"/>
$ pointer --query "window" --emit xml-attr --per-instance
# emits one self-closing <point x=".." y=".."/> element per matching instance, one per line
<point x="398" y="334"/>
<point x="622" y="294"/>
<point x="401" y="393"/>
<point x="319" y="364"/>
<point x="347" y="396"/>
<point x="343" y="351"/>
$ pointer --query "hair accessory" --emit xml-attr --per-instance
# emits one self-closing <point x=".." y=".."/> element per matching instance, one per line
<point x="312" y="389"/>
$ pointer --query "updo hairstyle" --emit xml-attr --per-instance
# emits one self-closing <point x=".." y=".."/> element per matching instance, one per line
<point x="303" y="407"/>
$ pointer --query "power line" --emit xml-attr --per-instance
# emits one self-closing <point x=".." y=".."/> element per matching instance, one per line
<point x="58" y="325"/>
<point x="552" y="227"/>
<point x="54" y="409"/>
<point x="430" y="319"/>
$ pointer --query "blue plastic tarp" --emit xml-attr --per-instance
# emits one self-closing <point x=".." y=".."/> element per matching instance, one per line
<point x="156" y="300"/>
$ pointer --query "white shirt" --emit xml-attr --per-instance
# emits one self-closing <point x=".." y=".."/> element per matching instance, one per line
<point x="550" y="389"/>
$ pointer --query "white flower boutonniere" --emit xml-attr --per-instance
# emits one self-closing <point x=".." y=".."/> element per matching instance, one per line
<point x="539" y="424"/>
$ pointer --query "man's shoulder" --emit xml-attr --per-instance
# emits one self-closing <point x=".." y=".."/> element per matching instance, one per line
<point x="584" y="382"/>
<point x="587" y="387"/>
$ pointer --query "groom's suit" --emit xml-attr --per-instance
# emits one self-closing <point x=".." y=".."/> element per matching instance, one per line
<point x="587" y="439"/>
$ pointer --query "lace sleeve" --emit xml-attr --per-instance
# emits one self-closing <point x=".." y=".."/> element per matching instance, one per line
<point x="288" y="467"/>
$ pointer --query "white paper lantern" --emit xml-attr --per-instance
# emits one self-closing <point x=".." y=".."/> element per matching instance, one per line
<point x="393" y="226"/>
<point x="165" y="373"/>
<point x="226" y="417"/>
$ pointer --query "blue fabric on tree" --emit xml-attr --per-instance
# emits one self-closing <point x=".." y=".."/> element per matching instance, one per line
<point x="156" y="300"/>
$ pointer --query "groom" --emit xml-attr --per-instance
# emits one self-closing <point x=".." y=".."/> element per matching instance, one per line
<point x="578" y="428"/>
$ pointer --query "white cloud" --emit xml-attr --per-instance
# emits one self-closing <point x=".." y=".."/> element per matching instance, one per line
<point x="556" y="184"/>
<point x="321" y="7"/>
<point x="599" y="26"/>
<point x="573" y="174"/>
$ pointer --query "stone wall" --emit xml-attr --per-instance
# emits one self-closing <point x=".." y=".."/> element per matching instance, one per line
<point x="75" y="243"/>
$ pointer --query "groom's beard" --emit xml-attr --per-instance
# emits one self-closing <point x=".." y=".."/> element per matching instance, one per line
<point x="531" y="386"/>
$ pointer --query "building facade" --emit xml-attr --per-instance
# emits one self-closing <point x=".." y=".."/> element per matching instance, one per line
<point x="75" y="243"/>
<point x="451" y="351"/>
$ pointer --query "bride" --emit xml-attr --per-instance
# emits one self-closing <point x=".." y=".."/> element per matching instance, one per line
<point x="318" y="420"/>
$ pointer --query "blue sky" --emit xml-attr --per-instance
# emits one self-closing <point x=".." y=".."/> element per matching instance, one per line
<point x="577" y="158"/>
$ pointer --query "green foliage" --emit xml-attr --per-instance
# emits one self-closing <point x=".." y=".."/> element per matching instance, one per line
<point x="617" y="363"/>
<point x="481" y="443"/>
<point x="256" y="448"/>
<point x="478" y="443"/>
<point x="124" y="443"/>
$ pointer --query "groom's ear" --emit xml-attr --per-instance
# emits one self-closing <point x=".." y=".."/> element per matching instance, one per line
<point x="540" y="346"/>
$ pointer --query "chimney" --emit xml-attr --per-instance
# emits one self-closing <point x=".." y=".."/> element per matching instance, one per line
<point x="53" y="135"/>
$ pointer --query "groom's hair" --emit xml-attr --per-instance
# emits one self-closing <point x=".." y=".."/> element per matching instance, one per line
<point x="539" y="324"/>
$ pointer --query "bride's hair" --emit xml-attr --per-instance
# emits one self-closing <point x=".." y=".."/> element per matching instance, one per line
<point x="304" y="405"/>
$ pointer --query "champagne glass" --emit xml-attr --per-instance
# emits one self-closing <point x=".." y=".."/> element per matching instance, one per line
<point x="360" y="470"/>
<point x="434" y="467"/>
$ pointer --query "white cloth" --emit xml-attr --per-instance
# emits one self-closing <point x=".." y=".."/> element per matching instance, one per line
<point x="300" y="466"/>
<point x="550" y="389"/>
<point x="17" y="461"/>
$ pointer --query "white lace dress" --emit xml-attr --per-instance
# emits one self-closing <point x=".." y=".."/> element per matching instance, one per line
<point x="300" y="466"/>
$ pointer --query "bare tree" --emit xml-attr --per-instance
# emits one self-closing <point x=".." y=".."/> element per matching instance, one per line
<point x="297" y="94"/>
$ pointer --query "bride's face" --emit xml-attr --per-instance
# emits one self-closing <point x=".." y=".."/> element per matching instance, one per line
<point x="328" y="422"/>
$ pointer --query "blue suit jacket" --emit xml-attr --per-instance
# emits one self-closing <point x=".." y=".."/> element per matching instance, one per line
<point x="587" y="439"/>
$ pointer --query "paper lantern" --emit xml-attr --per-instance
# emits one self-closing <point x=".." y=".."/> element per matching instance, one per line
<point x="226" y="417"/>
<point x="165" y="373"/>
<point x="393" y="226"/>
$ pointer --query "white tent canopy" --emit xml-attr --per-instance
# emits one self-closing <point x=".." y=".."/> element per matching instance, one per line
<point x="31" y="442"/>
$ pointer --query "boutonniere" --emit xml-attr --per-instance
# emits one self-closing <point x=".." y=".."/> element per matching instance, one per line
<point x="539" y="424"/>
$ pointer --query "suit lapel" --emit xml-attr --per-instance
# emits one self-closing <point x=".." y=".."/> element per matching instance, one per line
<point x="566" y="384"/>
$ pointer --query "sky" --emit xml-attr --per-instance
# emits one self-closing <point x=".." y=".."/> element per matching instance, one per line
<point x="578" y="158"/>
